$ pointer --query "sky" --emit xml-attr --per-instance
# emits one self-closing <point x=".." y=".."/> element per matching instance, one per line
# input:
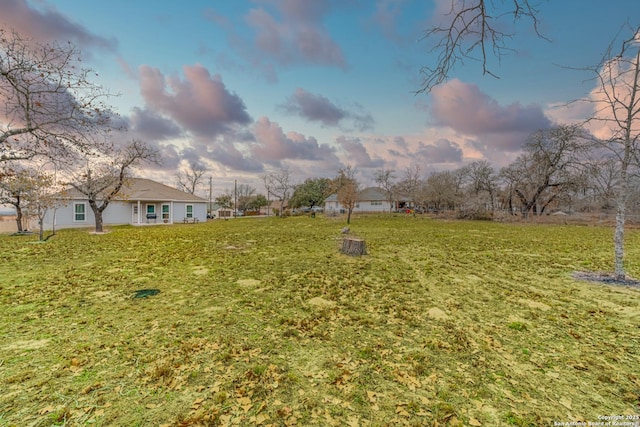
<point x="247" y="87"/>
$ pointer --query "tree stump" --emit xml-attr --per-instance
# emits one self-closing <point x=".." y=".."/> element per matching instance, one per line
<point x="353" y="246"/>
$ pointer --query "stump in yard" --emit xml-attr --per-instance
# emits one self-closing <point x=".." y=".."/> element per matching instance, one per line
<point x="353" y="246"/>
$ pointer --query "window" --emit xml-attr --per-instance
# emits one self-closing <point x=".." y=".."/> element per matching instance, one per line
<point x="189" y="211"/>
<point x="79" y="212"/>
<point x="151" y="209"/>
<point x="376" y="203"/>
<point x="165" y="212"/>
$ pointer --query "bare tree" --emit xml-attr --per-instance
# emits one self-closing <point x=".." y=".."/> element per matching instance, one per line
<point x="411" y="184"/>
<point x="348" y="189"/>
<point x="550" y="163"/>
<point x="481" y="185"/>
<point x="385" y="179"/>
<point x="190" y="179"/>
<point x="51" y="108"/>
<point x="279" y="184"/>
<point x="472" y="29"/>
<point x="103" y="181"/>
<point x="441" y="190"/>
<point x="41" y="197"/>
<point x="244" y="195"/>
<point x="14" y="187"/>
<point x="617" y="101"/>
<point x="603" y="179"/>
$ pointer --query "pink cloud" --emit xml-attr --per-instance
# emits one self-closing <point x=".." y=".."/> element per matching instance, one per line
<point x="317" y="108"/>
<point x="273" y="145"/>
<point x="298" y="37"/>
<point x="48" y="25"/>
<point x="465" y="109"/>
<point x="200" y="103"/>
<point x="357" y="153"/>
<point x="386" y="17"/>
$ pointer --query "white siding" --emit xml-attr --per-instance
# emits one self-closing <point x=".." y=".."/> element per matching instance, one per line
<point x="118" y="213"/>
<point x="364" y="206"/>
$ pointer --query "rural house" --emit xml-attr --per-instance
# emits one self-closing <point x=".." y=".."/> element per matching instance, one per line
<point x="371" y="199"/>
<point x="141" y="201"/>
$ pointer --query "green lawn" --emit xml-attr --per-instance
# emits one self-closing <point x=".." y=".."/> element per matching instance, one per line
<point x="264" y="322"/>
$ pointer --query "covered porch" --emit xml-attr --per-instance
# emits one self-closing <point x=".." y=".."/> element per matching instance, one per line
<point x="152" y="212"/>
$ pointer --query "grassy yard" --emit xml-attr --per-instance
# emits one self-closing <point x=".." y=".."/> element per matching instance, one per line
<point x="263" y="322"/>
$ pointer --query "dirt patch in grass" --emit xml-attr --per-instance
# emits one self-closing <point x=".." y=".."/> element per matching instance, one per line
<point x="26" y="345"/>
<point x="605" y="278"/>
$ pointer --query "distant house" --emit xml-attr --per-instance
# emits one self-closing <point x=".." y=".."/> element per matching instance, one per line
<point x="221" y="212"/>
<point x="372" y="199"/>
<point x="142" y="201"/>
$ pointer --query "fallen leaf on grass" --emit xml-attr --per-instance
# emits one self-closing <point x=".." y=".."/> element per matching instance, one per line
<point x="474" y="422"/>
<point x="259" y="419"/>
<point x="46" y="410"/>
<point x="566" y="403"/>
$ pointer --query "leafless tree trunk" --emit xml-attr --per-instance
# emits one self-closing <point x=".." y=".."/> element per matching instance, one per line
<point x="13" y="187"/>
<point x="348" y="189"/>
<point x="617" y="103"/>
<point x="102" y="183"/>
<point x="51" y="108"/>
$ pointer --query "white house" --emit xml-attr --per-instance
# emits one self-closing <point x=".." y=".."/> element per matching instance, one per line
<point x="370" y="199"/>
<point x="142" y="201"/>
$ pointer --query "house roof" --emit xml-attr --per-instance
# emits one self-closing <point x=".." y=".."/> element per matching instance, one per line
<point x="365" y="195"/>
<point x="146" y="190"/>
<point x="372" y="194"/>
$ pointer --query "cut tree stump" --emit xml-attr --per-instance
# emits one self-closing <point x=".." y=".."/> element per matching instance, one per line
<point x="352" y="246"/>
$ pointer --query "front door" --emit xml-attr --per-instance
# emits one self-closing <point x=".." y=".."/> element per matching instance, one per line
<point x="135" y="218"/>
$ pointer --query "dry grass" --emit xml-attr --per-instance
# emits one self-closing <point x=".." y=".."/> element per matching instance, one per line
<point x="263" y="322"/>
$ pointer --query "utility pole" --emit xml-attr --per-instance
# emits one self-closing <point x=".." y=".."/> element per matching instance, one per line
<point x="210" y="196"/>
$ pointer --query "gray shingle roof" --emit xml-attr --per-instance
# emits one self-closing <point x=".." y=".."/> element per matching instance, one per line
<point x="145" y="190"/>
<point x="369" y="194"/>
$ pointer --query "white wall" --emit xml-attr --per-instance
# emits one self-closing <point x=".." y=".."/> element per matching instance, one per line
<point x="119" y="212"/>
<point x="366" y="206"/>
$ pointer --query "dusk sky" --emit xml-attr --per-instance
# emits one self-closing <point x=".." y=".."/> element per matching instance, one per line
<point x="246" y="87"/>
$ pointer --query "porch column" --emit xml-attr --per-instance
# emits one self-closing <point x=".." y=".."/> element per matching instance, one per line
<point x="171" y="212"/>
<point x="139" y="211"/>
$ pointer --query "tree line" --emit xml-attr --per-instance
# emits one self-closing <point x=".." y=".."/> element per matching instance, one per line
<point x="560" y="169"/>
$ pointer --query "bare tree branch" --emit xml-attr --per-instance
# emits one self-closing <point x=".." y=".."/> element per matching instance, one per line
<point x="51" y="108"/>
<point x="189" y="180"/>
<point x="473" y="25"/>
